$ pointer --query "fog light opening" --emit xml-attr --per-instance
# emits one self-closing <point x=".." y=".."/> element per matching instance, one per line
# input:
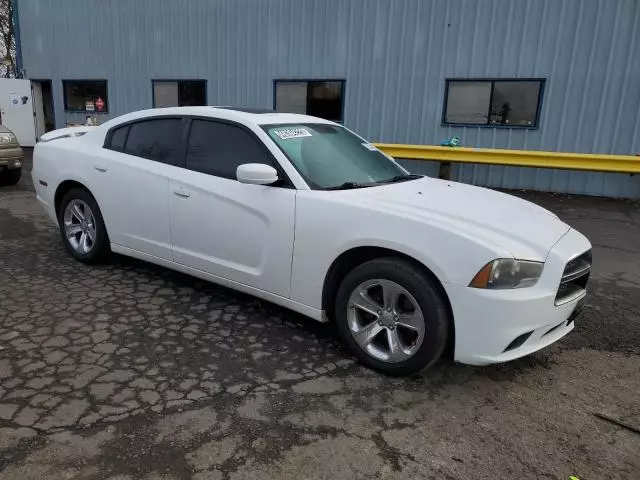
<point x="518" y="341"/>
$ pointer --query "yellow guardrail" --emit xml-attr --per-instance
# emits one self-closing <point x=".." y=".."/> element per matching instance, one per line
<point x="516" y="158"/>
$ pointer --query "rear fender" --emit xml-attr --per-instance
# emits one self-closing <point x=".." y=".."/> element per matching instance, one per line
<point x="66" y="133"/>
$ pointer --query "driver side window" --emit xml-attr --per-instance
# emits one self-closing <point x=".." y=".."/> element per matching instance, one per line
<point x="217" y="148"/>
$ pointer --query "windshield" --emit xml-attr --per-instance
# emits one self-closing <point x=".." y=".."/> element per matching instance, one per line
<point x="331" y="157"/>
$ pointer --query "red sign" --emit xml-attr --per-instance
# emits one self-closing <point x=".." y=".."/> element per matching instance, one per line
<point x="99" y="104"/>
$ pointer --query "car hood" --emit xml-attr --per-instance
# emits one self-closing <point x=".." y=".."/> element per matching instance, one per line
<point x="527" y="231"/>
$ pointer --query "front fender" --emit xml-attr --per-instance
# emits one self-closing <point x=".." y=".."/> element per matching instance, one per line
<point x="402" y="248"/>
<point x="325" y="229"/>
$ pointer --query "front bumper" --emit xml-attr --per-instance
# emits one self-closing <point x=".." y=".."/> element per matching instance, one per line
<point x="11" y="157"/>
<point x="494" y="326"/>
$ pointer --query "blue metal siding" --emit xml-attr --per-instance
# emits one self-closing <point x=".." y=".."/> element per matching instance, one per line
<point x="394" y="57"/>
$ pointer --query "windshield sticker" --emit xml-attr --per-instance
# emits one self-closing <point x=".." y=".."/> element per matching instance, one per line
<point x="288" y="133"/>
<point x="368" y="146"/>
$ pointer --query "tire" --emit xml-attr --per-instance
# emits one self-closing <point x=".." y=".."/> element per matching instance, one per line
<point x="10" y="176"/>
<point x="416" y="293"/>
<point x="81" y="247"/>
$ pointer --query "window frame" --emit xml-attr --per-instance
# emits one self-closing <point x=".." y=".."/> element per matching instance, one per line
<point x="282" y="175"/>
<point x="75" y="110"/>
<point x="184" y="143"/>
<point x="343" y="89"/>
<point x="153" y="91"/>
<point x="110" y="134"/>
<point x="493" y="80"/>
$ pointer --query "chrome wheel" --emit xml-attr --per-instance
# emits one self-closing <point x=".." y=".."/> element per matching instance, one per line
<point x="385" y="320"/>
<point x="80" y="226"/>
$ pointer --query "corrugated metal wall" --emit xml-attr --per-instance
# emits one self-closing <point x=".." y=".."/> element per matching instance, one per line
<point x="394" y="56"/>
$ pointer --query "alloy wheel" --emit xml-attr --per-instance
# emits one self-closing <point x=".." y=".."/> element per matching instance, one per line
<point x="385" y="320"/>
<point x="80" y="226"/>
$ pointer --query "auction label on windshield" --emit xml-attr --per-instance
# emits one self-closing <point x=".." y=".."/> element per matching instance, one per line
<point x="288" y="133"/>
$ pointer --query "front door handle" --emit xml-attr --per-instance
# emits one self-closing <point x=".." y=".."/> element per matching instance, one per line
<point x="100" y="168"/>
<point x="181" y="192"/>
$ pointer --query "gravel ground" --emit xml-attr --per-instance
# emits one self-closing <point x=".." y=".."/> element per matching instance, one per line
<point x="128" y="371"/>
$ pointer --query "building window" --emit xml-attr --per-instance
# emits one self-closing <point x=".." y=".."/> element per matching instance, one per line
<point x="85" y="95"/>
<point x="179" y="93"/>
<point x="493" y="103"/>
<point x="319" y="98"/>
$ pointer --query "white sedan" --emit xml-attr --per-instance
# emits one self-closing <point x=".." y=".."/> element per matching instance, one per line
<point x="302" y="212"/>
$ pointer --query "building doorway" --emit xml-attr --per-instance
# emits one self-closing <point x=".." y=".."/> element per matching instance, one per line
<point x="42" y="92"/>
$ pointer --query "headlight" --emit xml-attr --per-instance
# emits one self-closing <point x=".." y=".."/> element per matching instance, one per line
<point x="507" y="273"/>
<point x="6" y="138"/>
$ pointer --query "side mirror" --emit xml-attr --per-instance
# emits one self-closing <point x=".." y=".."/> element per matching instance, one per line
<point x="256" y="174"/>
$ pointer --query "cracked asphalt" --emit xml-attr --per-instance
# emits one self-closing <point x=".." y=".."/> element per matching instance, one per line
<point x="131" y="371"/>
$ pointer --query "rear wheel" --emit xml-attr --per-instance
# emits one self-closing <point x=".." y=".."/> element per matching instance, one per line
<point x="392" y="315"/>
<point x="82" y="226"/>
<point x="10" y="176"/>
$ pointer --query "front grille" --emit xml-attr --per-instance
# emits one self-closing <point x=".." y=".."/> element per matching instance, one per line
<point x="574" y="278"/>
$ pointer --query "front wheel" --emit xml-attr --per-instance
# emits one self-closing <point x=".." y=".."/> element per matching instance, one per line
<point x="10" y="176"/>
<point x="82" y="226"/>
<point x="392" y="316"/>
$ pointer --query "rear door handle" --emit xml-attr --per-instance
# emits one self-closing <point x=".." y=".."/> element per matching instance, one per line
<point x="100" y="168"/>
<point x="181" y="192"/>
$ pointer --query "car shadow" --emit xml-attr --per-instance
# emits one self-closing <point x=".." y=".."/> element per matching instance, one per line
<point x="325" y="333"/>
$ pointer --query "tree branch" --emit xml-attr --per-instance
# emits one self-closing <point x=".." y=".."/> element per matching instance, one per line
<point x="7" y="39"/>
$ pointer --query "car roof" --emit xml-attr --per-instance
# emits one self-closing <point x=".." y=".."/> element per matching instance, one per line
<point x="248" y="110"/>
<point x="240" y="114"/>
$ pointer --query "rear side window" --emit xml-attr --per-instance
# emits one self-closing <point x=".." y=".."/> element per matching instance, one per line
<point x="219" y="148"/>
<point x="157" y="140"/>
<point x="118" y="137"/>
